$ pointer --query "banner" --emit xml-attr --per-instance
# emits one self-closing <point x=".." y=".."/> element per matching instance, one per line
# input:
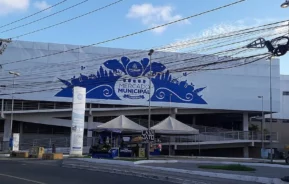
<point x="77" y="127"/>
<point x="15" y="146"/>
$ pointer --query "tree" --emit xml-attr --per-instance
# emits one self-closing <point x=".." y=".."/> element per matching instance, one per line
<point x="253" y="128"/>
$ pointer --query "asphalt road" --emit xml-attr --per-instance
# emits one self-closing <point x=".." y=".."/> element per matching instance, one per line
<point x="13" y="172"/>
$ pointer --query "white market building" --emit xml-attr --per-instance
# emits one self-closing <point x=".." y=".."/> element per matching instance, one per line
<point x="221" y="102"/>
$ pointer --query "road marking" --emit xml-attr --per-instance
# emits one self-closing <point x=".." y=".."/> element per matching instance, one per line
<point x="23" y="179"/>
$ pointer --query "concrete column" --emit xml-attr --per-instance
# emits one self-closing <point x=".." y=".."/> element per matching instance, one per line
<point x="174" y="112"/>
<point x="172" y="150"/>
<point x="173" y="115"/>
<point x="20" y="130"/>
<point x="89" y="132"/>
<point x="172" y="145"/>
<point x="194" y="120"/>
<point x="7" y="130"/>
<point x="245" y="121"/>
<point x="246" y="152"/>
<point x="2" y="108"/>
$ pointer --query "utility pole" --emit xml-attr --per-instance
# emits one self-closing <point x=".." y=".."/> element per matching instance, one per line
<point x="149" y="114"/>
<point x="271" y="127"/>
<point x="262" y="123"/>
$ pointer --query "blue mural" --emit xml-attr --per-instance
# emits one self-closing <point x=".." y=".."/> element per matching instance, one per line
<point x="128" y="80"/>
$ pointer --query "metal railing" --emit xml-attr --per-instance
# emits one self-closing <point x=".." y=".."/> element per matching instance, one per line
<point x="201" y="128"/>
<point x="203" y="137"/>
<point x="26" y="105"/>
<point x="221" y="136"/>
<point x="22" y="105"/>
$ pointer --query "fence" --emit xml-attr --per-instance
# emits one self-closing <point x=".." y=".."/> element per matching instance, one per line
<point x="63" y="142"/>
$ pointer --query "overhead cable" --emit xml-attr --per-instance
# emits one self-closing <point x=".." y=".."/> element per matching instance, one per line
<point x="53" y="14"/>
<point x="33" y="14"/>
<point x="131" y="34"/>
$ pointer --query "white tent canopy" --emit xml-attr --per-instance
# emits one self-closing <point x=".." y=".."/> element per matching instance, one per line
<point x="173" y="126"/>
<point x="122" y="124"/>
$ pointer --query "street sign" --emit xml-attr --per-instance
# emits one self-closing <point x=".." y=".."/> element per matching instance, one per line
<point x="148" y="135"/>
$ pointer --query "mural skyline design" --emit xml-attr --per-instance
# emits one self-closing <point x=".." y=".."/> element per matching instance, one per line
<point x="128" y="80"/>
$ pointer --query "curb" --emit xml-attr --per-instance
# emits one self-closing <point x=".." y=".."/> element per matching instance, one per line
<point x="155" y="162"/>
<point x="209" y="162"/>
<point x="133" y="173"/>
<point x="217" y="158"/>
<point x="104" y="161"/>
<point x="4" y="155"/>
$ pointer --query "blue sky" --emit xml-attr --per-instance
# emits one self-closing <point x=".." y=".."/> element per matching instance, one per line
<point x="130" y="16"/>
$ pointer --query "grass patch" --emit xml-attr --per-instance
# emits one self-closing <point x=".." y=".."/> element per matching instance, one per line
<point x="233" y="167"/>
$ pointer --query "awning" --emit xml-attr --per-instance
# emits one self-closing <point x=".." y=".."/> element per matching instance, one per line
<point x="173" y="126"/>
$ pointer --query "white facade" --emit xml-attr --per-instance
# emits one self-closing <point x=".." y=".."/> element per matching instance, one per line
<point x="284" y="99"/>
<point x="230" y="89"/>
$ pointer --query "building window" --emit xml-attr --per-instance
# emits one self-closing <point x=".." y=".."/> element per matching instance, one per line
<point x="285" y="93"/>
<point x="285" y="121"/>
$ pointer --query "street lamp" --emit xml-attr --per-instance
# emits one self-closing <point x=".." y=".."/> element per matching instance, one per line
<point x="271" y="128"/>
<point x="262" y="124"/>
<point x="15" y="74"/>
<point x="285" y="4"/>
<point x="150" y="86"/>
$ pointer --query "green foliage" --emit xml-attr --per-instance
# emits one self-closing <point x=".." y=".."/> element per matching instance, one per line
<point x="266" y="131"/>
<point x="253" y="128"/>
<point x="233" y="167"/>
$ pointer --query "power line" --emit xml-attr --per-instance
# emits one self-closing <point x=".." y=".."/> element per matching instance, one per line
<point x="33" y="14"/>
<point x="239" y="33"/>
<point x="69" y="20"/>
<point x="188" y="42"/>
<point x="192" y="68"/>
<point x="243" y="64"/>
<point x="171" y="71"/>
<point x="176" y="63"/>
<point x="191" y="59"/>
<point x="202" y="41"/>
<point x="211" y="39"/>
<point x="132" y="34"/>
<point x="32" y="22"/>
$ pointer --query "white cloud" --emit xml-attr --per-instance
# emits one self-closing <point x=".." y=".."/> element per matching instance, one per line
<point x="11" y="6"/>
<point x="222" y="29"/>
<point x="154" y="15"/>
<point x="219" y="29"/>
<point x="41" y="5"/>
